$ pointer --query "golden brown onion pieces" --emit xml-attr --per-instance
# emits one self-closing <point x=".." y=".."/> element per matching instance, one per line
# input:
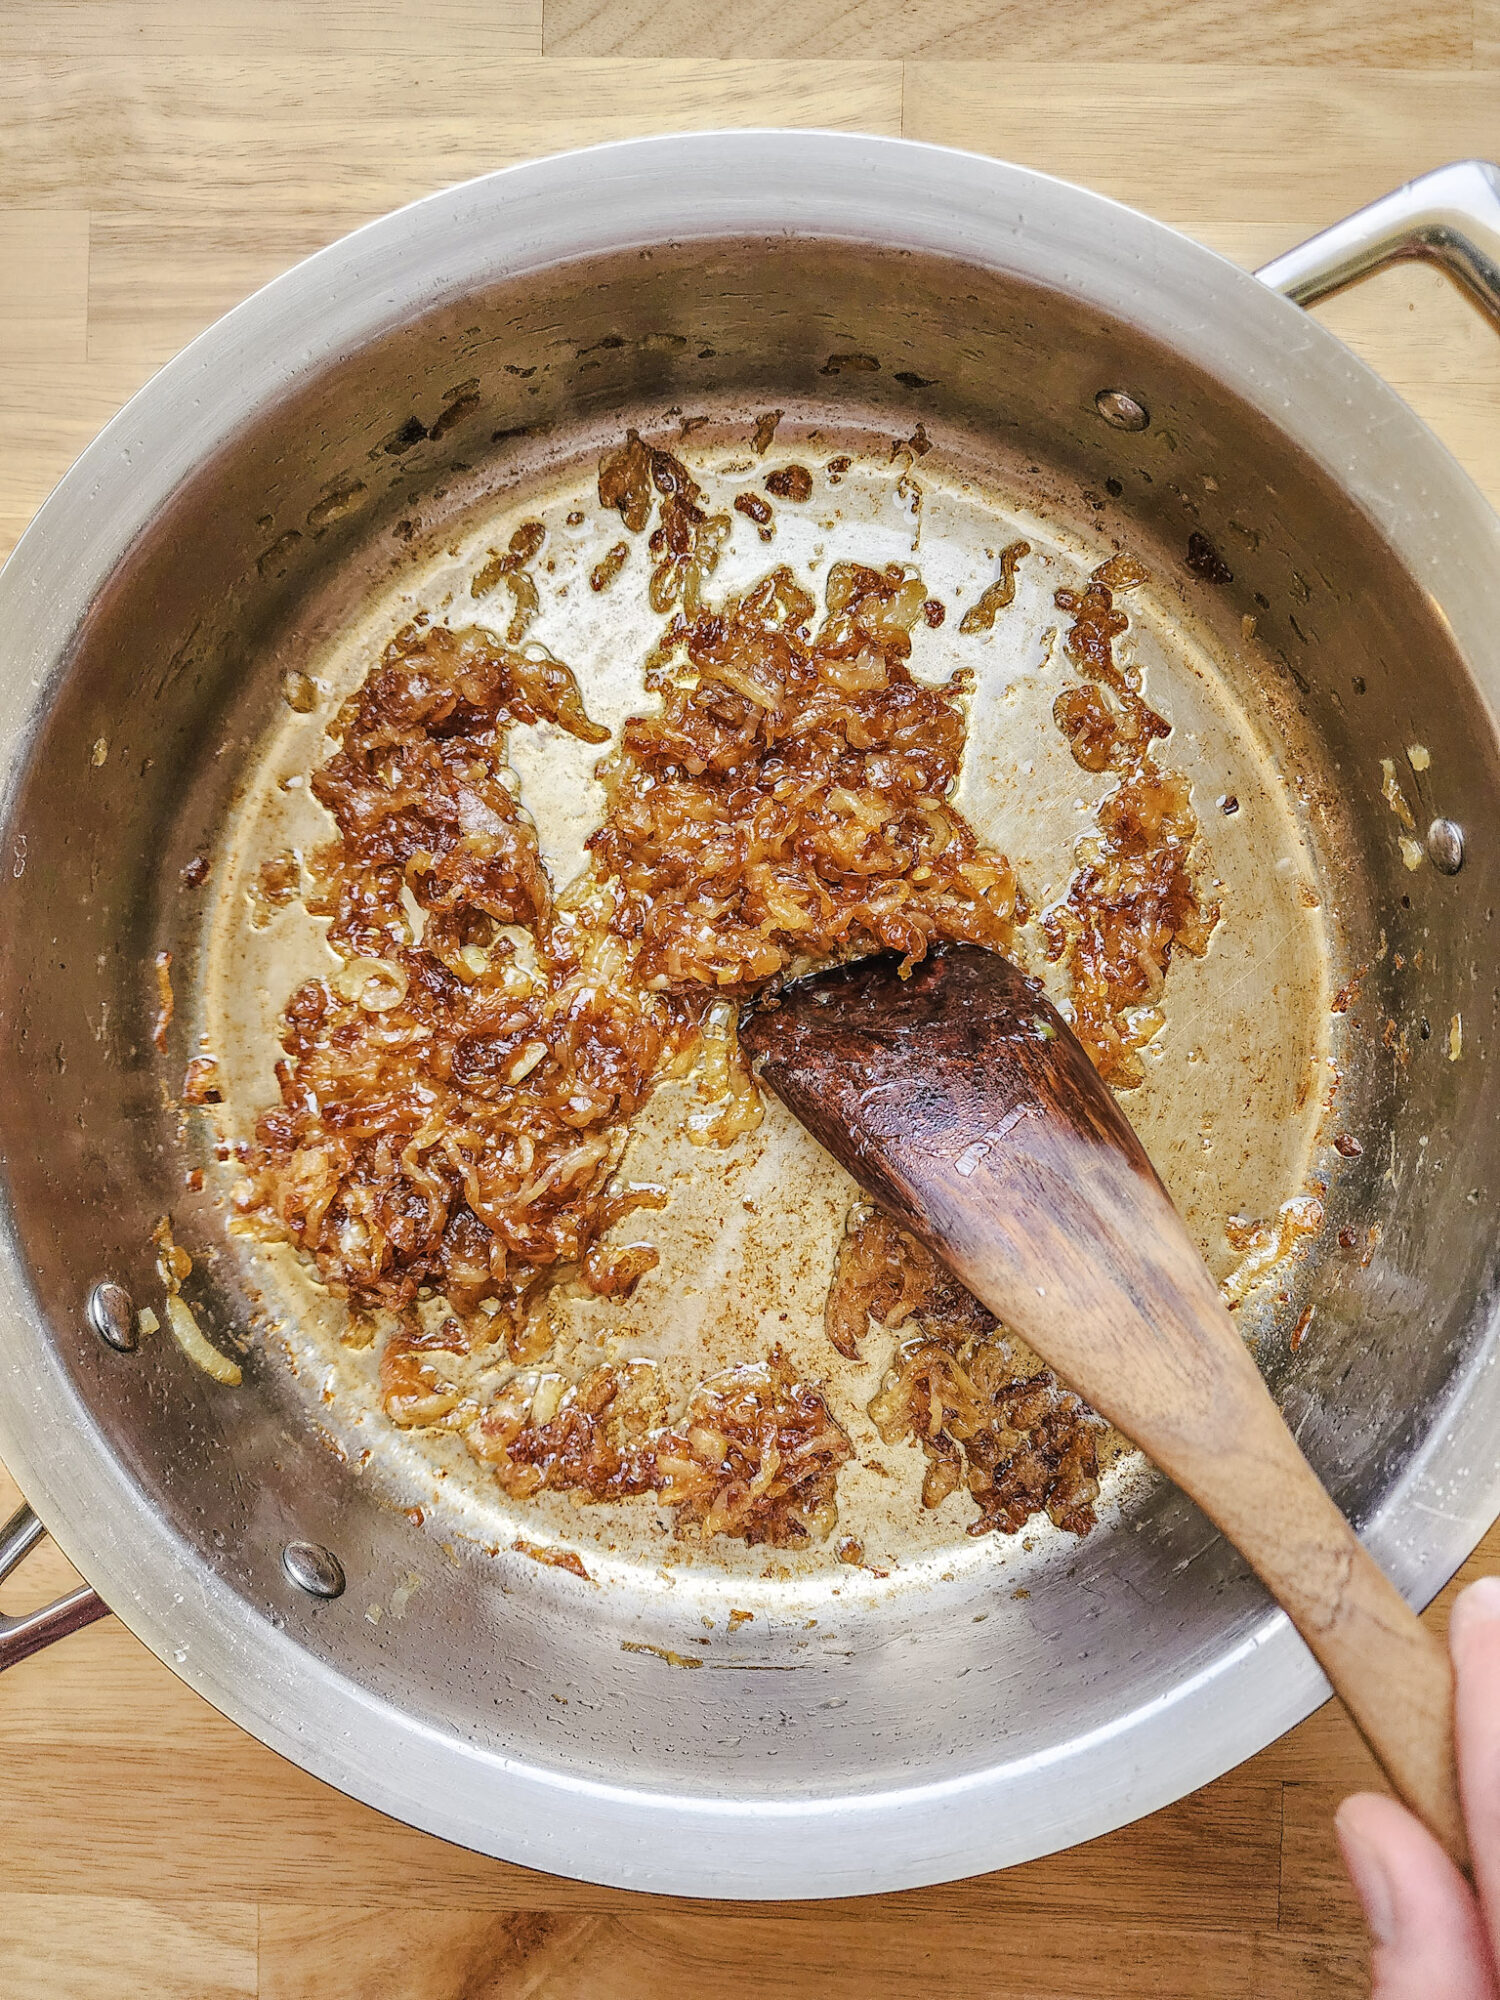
<point x="445" y="1120"/>
<point x="789" y="800"/>
<point x="1015" y="1439"/>
<point x="1133" y="903"/>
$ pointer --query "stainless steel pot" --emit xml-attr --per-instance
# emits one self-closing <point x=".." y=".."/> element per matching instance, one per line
<point x="252" y="496"/>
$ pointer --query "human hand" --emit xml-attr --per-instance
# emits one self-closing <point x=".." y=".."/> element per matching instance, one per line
<point x="1434" y="1937"/>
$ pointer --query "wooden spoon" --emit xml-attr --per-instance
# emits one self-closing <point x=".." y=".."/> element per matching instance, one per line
<point x="963" y="1103"/>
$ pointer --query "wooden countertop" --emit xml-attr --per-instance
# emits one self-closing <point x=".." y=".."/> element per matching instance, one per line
<point x="158" y="160"/>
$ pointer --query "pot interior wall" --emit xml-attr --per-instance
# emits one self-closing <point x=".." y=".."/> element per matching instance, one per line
<point x="175" y="677"/>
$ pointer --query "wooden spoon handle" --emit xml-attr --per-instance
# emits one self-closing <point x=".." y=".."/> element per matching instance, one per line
<point x="961" y="1099"/>
<point x="1397" y="1682"/>
<point x="1137" y="1325"/>
<point x="1393" y="1674"/>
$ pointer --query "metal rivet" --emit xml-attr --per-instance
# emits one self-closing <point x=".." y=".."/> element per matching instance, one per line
<point x="1445" y="846"/>
<point x="1122" y="410"/>
<point x="316" y="1570"/>
<point x="111" y="1314"/>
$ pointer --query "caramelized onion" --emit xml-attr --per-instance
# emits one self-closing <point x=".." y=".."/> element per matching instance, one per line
<point x="1134" y="902"/>
<point x="1014" y="1438"/>
<point x="451" y="1113"/>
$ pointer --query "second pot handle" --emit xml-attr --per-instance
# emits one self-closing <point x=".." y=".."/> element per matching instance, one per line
<point x="1450" y="217"/>
<point x="21" y="1637"/>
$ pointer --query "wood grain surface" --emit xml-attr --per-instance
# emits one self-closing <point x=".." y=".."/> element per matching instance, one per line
<point x="161" y="158"/>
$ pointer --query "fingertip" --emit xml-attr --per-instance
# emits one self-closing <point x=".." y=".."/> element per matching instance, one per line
<point x="1476" y="1613"/>
<point x="1360" y="1826"/>
<point x="1422" y="1918"/>
<point x="1363" y="1808"/>
<point x="1474" y="1641"/>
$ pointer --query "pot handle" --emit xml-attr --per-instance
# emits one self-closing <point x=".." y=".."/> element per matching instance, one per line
<point x="1450" y="217"/>
<point x="28" y="1634"/>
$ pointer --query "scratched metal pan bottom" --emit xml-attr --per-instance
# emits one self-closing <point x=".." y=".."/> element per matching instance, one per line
<point x="340" y="456"/>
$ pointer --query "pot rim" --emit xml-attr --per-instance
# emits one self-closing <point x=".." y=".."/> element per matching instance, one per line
<point x="886" y="192"/>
